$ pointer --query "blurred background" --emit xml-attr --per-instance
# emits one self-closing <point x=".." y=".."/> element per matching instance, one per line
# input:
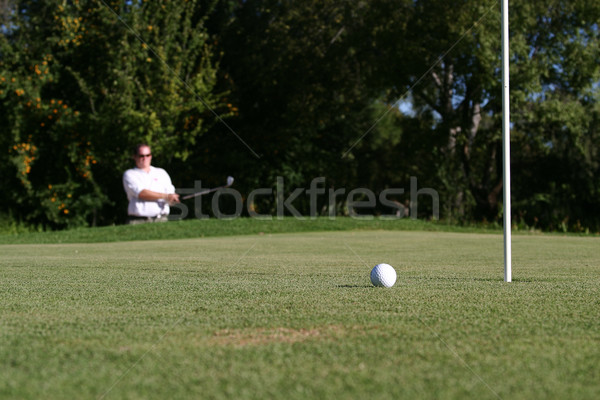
<point x="363" y="93"/>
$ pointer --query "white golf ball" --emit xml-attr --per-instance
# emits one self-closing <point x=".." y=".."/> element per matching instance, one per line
<point x="383" y="275"/>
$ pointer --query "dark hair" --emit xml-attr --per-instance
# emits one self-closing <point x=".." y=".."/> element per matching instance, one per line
<point x="136" y="149"/>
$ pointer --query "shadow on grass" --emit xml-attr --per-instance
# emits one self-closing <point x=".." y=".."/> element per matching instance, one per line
<point x="453" y="279"/>
<point x="354" y="286"/>
<point x="499" y="279"/>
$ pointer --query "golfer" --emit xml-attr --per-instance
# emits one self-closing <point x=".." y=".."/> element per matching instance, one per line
<point x="149" y="189"/>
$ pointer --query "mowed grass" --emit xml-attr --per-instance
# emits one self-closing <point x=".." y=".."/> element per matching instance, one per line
<point x="294" y="316"/>
<point x="196" y="228"/>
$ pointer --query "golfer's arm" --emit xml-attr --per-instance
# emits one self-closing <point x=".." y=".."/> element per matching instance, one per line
<point x="149" y="195"/>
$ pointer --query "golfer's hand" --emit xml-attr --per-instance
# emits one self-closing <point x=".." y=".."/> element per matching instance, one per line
<point x="172" y="198"/>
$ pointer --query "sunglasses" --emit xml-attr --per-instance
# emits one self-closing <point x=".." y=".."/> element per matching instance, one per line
<point x="145" y="155"/>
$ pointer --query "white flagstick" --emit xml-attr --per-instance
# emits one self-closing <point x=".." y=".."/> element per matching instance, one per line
<point x="506" y="144"/>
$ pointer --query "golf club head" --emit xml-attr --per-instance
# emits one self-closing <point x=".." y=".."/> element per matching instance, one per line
<point x="229" y="180"/>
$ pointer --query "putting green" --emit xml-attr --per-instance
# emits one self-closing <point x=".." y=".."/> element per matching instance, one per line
<point x="295" y="316"/>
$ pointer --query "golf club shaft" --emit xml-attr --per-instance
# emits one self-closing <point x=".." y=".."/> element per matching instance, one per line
<point x="189" y="196"/>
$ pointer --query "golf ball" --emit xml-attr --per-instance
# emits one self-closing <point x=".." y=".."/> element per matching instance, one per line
<point x="383" y="275"/>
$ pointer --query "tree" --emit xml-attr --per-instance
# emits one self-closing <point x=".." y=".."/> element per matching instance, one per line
<point x="81" y="84"/>
<point x="297" y="74"/>
<point x="450" y="63"/>
<point x="556" y="115"/>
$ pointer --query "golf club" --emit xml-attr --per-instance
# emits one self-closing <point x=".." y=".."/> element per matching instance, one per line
<point x="229" y="183"/>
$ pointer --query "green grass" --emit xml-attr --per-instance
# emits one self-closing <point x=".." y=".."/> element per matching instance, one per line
<point x="294" y="316"/>
<point x="196" y="228"/>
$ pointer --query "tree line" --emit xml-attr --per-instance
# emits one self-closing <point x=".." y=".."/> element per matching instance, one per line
<point x="364" y="93"/>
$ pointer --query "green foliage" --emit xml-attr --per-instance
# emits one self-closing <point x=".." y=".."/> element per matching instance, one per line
<point x="297" y="70"/>
<point x="450" y="56"/>
<point x="81" y="84"/>
<point x="556" y="115"/>
<point x="261" y="89"/>
<point x="9" y="227"/>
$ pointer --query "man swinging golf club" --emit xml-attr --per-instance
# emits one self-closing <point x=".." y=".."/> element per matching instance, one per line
<point x="149" y="189"/>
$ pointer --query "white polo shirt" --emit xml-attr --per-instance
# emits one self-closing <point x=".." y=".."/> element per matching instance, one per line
<point x="157" y="180"/>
